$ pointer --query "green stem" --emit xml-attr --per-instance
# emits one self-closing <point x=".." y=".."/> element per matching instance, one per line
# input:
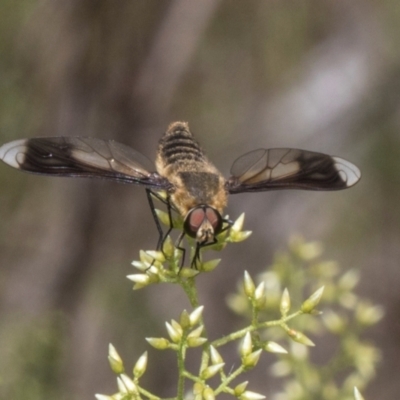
<point x="242" y="332"/>
<point x="149" y="395"/>
<point x="181" y="368"/>
<point x="229" y="379"/>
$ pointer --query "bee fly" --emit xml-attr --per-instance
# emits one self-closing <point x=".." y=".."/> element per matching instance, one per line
<point x="194" y="187"/>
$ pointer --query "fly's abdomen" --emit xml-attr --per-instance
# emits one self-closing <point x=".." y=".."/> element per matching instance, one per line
<point x="178" y="146"/>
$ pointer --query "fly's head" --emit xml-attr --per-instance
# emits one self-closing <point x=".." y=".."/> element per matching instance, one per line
<point x="203" y="223"/>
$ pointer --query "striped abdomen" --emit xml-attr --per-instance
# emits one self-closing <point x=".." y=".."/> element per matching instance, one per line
<point x="178" y="146"/>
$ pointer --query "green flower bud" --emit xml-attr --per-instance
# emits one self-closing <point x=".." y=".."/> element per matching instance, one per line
<point x="249" y="287"/>
<point x="285" y="302"/>
<point x="247" y="345"/>
<point x="238" y="224"/>
<point x="309" y="251"/>
<point x="198" y="388"/>
<point x="158" y="343"/>
<point x="140" y="366"/>
<point x="349" y="280"/>
<point x="300" y="337"/>
<point x="168" y="247"/>
<point x="237" y="237"/>
<point x="145" y="258"/>
<point x="208" y="394"/>
<point x="210" y="265"/>
<point x="195" y="315"/>
<point x="103" y="397"/>
<point x="357" y="394"/>
<point x="196" y="341"/>
<point x="260" y="296"/>
<point x="247" y="395"/>
<point x="173" y="333"/>
<point x="188" y="272"/>
<point x="184" y="320"/>
<point x="115" y="360"/>
<point x="309" y="305"/>
<point x="215" y="356"/>
<point x="196" y="332"/>
<point x="176" y="326"/>
<point x="239" y="389"/>
<point x="251" y="360"/>
<point x="140" y="266"/>
<point x="210" y="371"/>
<point x="367" y="314"/>
<point x="273" y="347"/>
<point x="163" y="217"/>
<point x="156" y="255"/>
<point x="121" y="387"/>
<point x="129" y="384"/>
<point x="334" y="322"/>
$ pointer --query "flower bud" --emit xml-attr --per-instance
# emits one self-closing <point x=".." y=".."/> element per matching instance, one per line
<point x="309" y="304"/>
<point x="285" y="302"/>
<point x="273" y="347"/>
<point x="198" y="388"/>
<point x="247" y="345"/>
<point x="215" y="356"/>
<point x="156" y="255"/>
<point x="210" y="265"/>
<point x="196" y="332"/>
<point x="259" y="295"/>
<point x="208" y="394"/>
<point x="357" y="394"/>
<point x="158" y="343"/>
<point x="168" y="247"/>
<point x="195" y="315"/>
<point x="129" y="384"/>
<point x="115" y="360"/>
<point x="163" y="217"/>
<point x="184" y="320"/>
<point x="251" y="360"/>
<point x="196" y="341"/>
<point x="210" y="371"/>
<point x="103" y="397"/>
<point x="300" y="337"/>
<point x="239" y="389"/>
<point x="140" y="366"/>
<point x="173" y="333"/>
<point x="249" y="287"/>
<point x="238" y="224"/>
<point x="121" y="387"/>
<point x="247" y="395"/>
<point x="188" y="272"/>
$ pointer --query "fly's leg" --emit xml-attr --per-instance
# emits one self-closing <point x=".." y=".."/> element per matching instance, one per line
<point x="161" y="236"/>
<point x="181" y="248"/>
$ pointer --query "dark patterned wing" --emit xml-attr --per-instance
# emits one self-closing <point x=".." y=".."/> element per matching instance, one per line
<point x="82" y="157"/>
<point x="276" y="169"/>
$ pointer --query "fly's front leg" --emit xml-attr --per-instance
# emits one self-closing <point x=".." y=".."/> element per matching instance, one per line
<point x="161" y="236"/>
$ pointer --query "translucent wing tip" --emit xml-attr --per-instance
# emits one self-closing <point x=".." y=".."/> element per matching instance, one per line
<point x="349" y="173"/>
<point x="12" y="153"/>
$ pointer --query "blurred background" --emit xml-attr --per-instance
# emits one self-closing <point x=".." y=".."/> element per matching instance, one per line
<point x="320" y="75"/>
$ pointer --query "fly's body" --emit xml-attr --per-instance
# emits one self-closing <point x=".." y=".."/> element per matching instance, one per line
<point x="194" y="178"/>
<point x="194" y="187"/>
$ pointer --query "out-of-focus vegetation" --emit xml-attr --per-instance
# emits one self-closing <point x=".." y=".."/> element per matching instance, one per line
<point x="321" y="75"/>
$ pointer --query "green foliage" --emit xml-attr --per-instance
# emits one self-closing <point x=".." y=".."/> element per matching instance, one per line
<point x="282" y="314"/>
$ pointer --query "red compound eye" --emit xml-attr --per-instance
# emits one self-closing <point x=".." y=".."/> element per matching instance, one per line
<point x="214" y="218"/>
<point x="196" y="217"/>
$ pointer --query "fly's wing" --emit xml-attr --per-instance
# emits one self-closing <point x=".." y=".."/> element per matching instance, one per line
<point x="275" y="169"/>
<point x="81" y="157"/>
